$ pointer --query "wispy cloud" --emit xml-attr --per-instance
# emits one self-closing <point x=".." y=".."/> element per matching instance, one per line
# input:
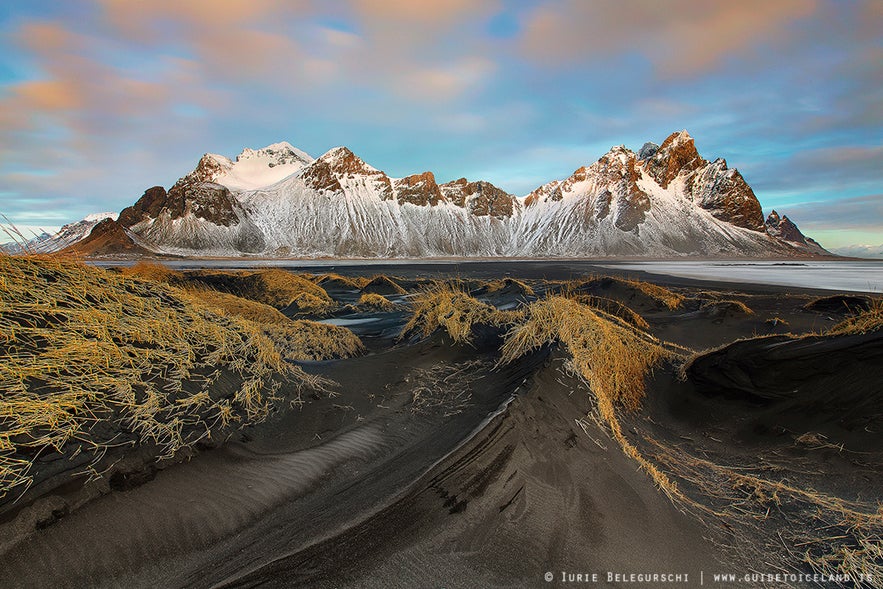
<point x="679" y="37"/>
<point x="860" y="213"/>
<point x="100" y="99"/>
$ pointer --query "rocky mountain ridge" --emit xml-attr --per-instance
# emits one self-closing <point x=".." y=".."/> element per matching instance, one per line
<point x="664" y="201"/>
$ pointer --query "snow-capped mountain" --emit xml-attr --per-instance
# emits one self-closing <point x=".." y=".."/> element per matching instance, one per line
<point x="66" y="236"/>
<point x="664" y="201"/>
<point x="253" y="168"/>
<point x="860" y="251"/>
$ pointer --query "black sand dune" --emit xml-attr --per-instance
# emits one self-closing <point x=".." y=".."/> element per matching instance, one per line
<point x="435" y="465"/>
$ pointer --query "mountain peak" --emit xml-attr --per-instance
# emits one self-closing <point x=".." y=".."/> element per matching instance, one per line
<point x="647" y="150"/>
<point x="783" y="228"/>
<point x="677" y="154"/>
<point x="96" y="217"/>
<point x="342" y="160"/>
<point x="277" y="154"/>
<point x="681" y="135"/>
<point x="252" y="169"/>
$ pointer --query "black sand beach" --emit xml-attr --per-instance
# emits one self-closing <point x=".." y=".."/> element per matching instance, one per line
<point x="434" y="464"/>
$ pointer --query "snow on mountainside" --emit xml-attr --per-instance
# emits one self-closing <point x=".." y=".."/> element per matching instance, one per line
<point x="860" y="251"/>
<point x="665" y="201"/>
<point x="253" y="168"/>
<point x="68" y="235"/>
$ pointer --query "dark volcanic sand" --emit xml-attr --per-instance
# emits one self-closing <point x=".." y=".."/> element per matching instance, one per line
<point x="433" y="467"/>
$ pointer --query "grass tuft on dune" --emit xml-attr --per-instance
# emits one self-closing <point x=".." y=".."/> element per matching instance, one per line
<point x="628" y="287"/>
<point x="337" y="280"/>
<point x="444" y="305"/>
<point x="867" y="321"/>
<point x="613" y="357"/>
<point x="304" y="340"/>
<point x="277" y="288"/>
<point x="670" y="299"/>
<point x="91" y="359"/>
<point x="153" y="271"/>
<point x="232" y="305"/>
<point x="296" y="340"/>
<point x="384" y="285"/>
<point x="375" y="301"/>
<point x="509" y="284"/>
<point x="613" y="307"/>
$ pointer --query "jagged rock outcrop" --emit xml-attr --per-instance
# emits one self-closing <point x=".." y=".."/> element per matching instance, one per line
<point x="726" y="195"/>
<point x="147" y="207"/>
<point x="480" y="198"/>
<point x="784" y="229"/>
<point x="418" y="189"/>
<point x="107" y="238"/>
<point x="714" y="187"/>
<point x="204" y="200"/>
<point x="675" y="157"/>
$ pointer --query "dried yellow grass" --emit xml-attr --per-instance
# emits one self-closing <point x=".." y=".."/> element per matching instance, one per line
<point x="613" y="307"/>
<point x="229" y="304"/>
<point x="81" y="346"/>
<point x="152" y="271"/>
<point x="355" y="282"/>
<point x="613" y="357"/>
<point x="375" y="301"/>
<point x="865" y="322"/>
<point x="834" y="535"/>
<point x="281" y="289"/>
<point x="660" y="294"/>
<point x="731" y="305"/>
<point x="296" y="340"/>
<point x="498" y="285"/>
<point x="445" y="306"/>
<point x="670" y="299"/>
<point x="277" y="288"/>
<point x="380" y="283"/>
<point x="305" y="340"/>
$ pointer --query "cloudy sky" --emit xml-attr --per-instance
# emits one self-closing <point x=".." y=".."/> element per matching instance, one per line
<point x="100" y="99"/>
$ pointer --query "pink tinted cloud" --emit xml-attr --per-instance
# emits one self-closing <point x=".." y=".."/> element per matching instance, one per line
<point x="434" y="13"/>
<point x="680" y="37"/>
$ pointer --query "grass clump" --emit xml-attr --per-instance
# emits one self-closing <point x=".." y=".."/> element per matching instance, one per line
<point x="633" y="290"/>
<point x="153" y="271"/>
<point x="277" y="288"/>
<point x="867" y="321"/>
<point x="613" y="307"/>
<point x="446" y="306"/>
<point x="304" y="340"/>
<point x="296" y="340"/>
<point x="613" y="357"/>
<point x="233" y="305"/>
<point x="90" y="359"/>
<point x="776" y="322"/>
<point x="508" y="284"/>
<point x="372" y="300"/>
<point x="334" y="280"/>
<point x="383" y="285"/>
<point x="841" y="304"/>
<point x="670" y="299"/>
<point x="722" y="307"/>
